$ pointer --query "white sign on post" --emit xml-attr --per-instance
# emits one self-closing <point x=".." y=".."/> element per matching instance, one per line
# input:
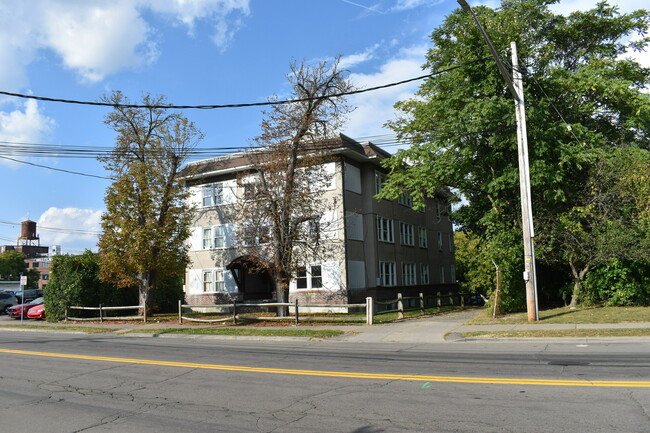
<point x="23" y="280"/>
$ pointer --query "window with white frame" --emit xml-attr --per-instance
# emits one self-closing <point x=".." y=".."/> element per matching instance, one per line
<point x="405" y="200"/>
<point x="208" y="285"/>
<point x="207" y="238"/>
<point x="213" y="194"/>
<point x="442" y="273"/>
<point x="380" y="179"/>
<point x="424" y="274"/>
<point x="422" y="237"/>
<point x="409" y="274"/>
<point x="440" y="241"/>
<point x="385" y="231"/>
<point x="219" y="237"/>
<point x="387" y="273"/>
<point x="213" y="280"/>
<point x="406" y="232"/>
<point x="309" y="277"/>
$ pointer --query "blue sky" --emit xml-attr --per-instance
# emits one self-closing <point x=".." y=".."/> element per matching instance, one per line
<point x="194" y="52"/>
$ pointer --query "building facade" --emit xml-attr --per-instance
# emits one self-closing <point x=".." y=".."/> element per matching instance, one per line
<point x="370" y="247"/>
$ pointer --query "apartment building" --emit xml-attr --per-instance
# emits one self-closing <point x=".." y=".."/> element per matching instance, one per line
<point x="370" y="247"/>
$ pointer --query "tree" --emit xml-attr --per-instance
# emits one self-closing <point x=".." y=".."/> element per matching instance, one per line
<point x="75" y="280"/>
<point x="147" y="218"/>
<point x="12" y="265"/>
<point x="283" y="195"/>
<point x="608" y="223"/>
<point x="462" y="122"/>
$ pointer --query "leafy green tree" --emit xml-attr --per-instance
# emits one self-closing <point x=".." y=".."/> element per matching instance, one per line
<point x="147" y="218"/>
<point x="462" y="122"/>
<point x="74" y="280"/>
<point x="12" y="263"/>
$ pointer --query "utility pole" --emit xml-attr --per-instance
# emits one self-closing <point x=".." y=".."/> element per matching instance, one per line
<point x="517" y="90"/>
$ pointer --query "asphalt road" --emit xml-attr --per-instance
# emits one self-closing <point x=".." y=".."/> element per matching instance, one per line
<point x="52" y="382"/>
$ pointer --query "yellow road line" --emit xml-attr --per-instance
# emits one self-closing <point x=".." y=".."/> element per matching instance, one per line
<point x="350" y="375"/>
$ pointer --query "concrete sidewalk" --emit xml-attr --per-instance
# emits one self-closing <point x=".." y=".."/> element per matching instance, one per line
<point x="426" y="330"/>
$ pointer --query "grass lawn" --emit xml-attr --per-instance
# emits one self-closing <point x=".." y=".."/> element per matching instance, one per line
<point x="575" y="333"/>
<point x="580" y="315"/>
<point x="86" y="329"/>
<point x="264" y="332"/>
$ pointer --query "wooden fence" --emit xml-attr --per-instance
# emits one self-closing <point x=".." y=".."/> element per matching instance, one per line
<point x="102" y="311"/>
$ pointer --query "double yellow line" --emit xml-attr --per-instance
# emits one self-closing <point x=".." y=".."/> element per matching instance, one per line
<point x="349" y="375"/>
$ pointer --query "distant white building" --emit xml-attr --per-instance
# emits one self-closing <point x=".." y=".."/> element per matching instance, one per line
<point x="373" y="248"/>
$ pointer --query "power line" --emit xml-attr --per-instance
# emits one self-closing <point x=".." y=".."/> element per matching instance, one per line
<point x="57" y="169"/>
<point x="240" y="105"/>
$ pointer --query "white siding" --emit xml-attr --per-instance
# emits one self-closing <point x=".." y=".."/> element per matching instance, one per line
<point x="196" y="281"/>
<point x="331" y="276"/>
<point x="196" y="238"/>
<point x="229" y="191"/>
<point x="195" y="197"/>
<point x="329" y="225"/>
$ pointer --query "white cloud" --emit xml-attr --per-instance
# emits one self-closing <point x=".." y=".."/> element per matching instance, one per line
<point x="355" y="59"/>
<point x="69" y="227"/>
<point x="375" y="108"/>
<point x="98" y="38"/>
<point x="24" y="125"/>
<point x="411" y="4"/>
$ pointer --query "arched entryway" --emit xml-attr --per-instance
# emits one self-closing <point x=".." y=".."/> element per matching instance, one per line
<point x="253" y="279"/>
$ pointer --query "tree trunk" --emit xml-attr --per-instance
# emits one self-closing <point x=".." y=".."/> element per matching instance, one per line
<point x="144" y="285"/>
<point x="578" y="278"/>
<point x="282" y="290"/>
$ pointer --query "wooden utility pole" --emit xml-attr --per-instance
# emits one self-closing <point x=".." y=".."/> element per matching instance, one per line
<point x="517" y="90"/>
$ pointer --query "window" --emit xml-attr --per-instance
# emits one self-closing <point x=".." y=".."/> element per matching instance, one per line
<point x="387" y="273"/>
<point x="309" y="277"/>
<point x="424" y="274"/>
<point x="45" y="277"/>
<point x="35" y="264"/>
<point x="385" y="230"/>
<point x="213" y="194"/>
<point x="437" y="208"/>
<point x="405" y="200"/>
<point x="380" y="179"/>
<point x="452" y="273"/>
<point x="442" y="273"/>
<point x="207" y="281"/>
<point x="256" y="235"/>
<point x="219" y="237"/>
<point x="406" y="232"/>
<point x="440" y="241"/>
<point x="422" y="236"/>
<point x="213" y="280"/>
<point x="451" y="242"/>
<point x="409" y="272"/>
<point x="207" y="239"/>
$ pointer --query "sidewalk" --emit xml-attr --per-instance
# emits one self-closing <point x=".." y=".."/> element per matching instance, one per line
<point x="427" y="330"/>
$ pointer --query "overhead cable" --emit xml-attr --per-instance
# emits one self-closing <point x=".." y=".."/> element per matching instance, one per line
<point x="241" y="105"/>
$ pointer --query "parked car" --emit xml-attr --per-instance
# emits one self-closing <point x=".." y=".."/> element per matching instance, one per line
<point x="7" y="300"/>
<point x="37" y="312"/>
<point x="29" y="295"/>
<point x="18" y="311"/>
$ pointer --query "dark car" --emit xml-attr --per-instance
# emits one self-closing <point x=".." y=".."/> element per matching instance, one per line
<point x="21" y="310"/>
<point x="7" y="299"/>
<point x="29" y="295"/>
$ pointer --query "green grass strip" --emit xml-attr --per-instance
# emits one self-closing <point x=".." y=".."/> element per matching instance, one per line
<point x="575" y="333"/>
<point x="254" y="332"/>
<point x="86" y="329"/>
